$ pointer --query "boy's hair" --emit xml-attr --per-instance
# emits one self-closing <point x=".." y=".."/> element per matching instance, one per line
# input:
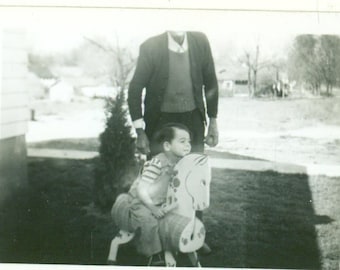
<point x="167" y="132"/>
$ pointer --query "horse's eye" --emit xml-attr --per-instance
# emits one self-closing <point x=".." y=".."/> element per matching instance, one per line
<point x="203" y="182"/>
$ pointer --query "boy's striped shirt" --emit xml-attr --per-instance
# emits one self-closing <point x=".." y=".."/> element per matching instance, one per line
<point x="152" y="170"/>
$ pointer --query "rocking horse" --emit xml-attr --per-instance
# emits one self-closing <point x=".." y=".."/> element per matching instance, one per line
<point x="180" y="229"/>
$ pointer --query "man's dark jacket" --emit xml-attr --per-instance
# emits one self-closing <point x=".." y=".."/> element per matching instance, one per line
<point x="152" y="73"/>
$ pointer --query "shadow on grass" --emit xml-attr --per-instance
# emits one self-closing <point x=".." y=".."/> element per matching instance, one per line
<point x="50" y="221"/>
<point x="262" y="220"/>
<point x="256" y="219"/>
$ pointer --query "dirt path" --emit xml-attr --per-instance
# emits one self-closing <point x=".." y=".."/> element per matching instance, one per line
<point x="296" y="131"/>
<point x="301" y="131"/>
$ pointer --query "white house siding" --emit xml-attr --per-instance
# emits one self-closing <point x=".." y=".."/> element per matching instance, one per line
<point x="14" y="112"/>
<point x="14" y="95"/>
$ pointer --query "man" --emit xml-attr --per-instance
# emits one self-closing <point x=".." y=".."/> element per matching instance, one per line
<point x="174" y="67"/>
<point x="177" y="71"/>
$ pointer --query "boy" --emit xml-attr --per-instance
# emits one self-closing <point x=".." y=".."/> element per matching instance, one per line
<point x="148" y="192"/>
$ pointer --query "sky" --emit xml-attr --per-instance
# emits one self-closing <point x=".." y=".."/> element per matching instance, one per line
<point x="55" y="29"/>
<point x="52" y="30"/>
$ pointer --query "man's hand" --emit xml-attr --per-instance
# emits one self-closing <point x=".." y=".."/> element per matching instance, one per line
<point x="142" y="143"/>
<point x="212" y="137"/>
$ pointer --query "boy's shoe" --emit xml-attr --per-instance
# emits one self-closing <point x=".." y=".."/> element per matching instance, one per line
<point x="156" y="260"/>
<point x="205" y="249"/>
<point x="111" y="262"/>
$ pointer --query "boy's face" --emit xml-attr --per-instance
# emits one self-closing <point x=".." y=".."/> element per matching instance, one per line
<point x="180" y="144"/>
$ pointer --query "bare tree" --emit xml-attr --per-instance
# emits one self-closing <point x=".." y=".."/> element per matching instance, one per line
<point x="247" y="62"/>
<point x="254" y="65"/>
<point x="255" y="68"/>
<point x="279" y="64"/>
<point x="122" y="61"/>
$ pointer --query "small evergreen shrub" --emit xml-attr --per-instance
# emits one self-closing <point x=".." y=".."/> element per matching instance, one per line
<point x="116" y="167"/>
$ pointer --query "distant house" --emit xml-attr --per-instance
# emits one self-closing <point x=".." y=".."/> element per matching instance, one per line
<point x="14" y="111"/>
<point x="101" y="91"/>
<point x="61" y="91"/>
<point x="232" y="81"/>
<point x="82" y="84"/>
<point x="76" y="77"/>
<point x="35" y="86"/>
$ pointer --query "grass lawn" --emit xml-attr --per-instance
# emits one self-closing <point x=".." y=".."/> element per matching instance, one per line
<point x="256" y="219"/>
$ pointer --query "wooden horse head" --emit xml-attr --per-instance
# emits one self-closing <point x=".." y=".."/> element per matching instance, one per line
<point x="190" y="185"/>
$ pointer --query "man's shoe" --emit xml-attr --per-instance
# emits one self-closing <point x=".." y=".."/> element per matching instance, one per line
<point x="205" y="249"/>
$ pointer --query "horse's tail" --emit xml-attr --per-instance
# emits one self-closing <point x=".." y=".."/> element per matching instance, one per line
<point x="180" y="233"/>
<point x="120" y="212"/>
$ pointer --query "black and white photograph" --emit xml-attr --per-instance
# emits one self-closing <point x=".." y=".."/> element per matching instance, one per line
<point x="170" y="135"/>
